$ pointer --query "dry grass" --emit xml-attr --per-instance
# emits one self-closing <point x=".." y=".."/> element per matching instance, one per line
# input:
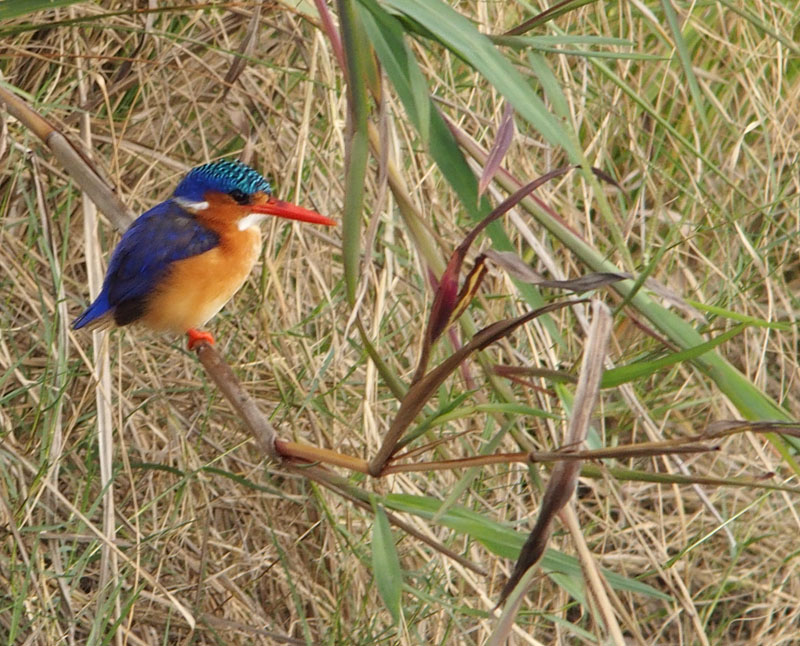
<point x="260" y="556"/>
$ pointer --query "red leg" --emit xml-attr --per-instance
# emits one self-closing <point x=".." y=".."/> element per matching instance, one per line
<point x="198" y="336"/>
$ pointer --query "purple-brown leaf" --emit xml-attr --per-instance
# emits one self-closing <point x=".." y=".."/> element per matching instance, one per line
<point x="505" y="134"/>
<point x="564" y="477"/>
<point x="446" y="301"/>
<point x="424" y="388"/>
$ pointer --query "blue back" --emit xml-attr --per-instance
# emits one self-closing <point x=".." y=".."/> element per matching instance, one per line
<point x="164" y="234"/>
<point x="223" y="177"/>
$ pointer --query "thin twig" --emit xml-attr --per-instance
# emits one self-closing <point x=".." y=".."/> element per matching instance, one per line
<point x="314" y="454"/>
<point x="649" y="449"/>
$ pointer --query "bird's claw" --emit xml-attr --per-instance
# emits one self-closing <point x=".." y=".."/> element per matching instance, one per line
<point x="198" y="336"/>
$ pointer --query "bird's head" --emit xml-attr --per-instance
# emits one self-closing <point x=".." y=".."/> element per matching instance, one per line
<point x="230" y="192"/>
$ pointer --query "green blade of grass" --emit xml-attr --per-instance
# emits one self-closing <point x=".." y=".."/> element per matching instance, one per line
<point x="356" y="50"/>
<point x="571" y="39"/>
<point x="783" y="326"/>
<point x="15" y="8"/>
<point x="460" y="36"/>
<point x="698" y="100"/>
<point x="642" y="369"/>
<point x="550" y="84"/>
<point x="496" y="407"/>
<point x="548" y="47"/>
<point x="503" y="540"/>
<point x="386" y="564"/>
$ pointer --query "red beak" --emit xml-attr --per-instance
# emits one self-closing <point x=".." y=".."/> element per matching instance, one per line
<point x="290" y="211"/>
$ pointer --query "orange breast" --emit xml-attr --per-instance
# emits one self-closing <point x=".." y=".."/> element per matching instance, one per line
<point x="198" y="287"/>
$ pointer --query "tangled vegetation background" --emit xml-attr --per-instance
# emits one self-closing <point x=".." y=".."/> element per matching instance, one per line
<point x="133" y="507"/>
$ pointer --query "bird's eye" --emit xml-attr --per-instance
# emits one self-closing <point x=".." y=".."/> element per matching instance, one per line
<point x="240" y="196"/>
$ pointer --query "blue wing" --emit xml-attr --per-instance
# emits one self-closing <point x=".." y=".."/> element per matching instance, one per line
<point x="163" y="235"/>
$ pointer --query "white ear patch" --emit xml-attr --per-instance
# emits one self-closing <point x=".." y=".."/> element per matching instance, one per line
<point x="251" y="220"/>
<point x="189" y="205"/>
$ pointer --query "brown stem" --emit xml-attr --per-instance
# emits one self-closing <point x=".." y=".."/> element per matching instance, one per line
<point x="222" y="375"/>
<point x="32" y="120"/>
<point x="459" y="463"/>
<point x="310" y="453"/>
<point x="72" y="159"/>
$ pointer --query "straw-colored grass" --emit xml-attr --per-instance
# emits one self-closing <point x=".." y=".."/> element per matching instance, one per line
<point x="195" y="518"/>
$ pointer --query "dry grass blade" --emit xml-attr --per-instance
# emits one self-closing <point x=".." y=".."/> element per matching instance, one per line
<point x="245" y="48"/>
<point x="515" y="372"/>
<point x="621" y="452"/>
<point x="548" y="14"/>
<point x="109" y="567"/>
<point x="564" y="476"/>
<point x="522" y="457"/>
<point x="724" y="427"/>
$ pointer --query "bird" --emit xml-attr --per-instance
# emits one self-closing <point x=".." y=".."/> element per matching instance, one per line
<point x="180" y="262"/>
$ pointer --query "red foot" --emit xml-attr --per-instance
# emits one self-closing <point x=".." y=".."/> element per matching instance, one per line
<point x="198" y="336"/>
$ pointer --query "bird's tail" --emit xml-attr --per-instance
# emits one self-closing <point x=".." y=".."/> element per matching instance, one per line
<point x="97" y="316"/>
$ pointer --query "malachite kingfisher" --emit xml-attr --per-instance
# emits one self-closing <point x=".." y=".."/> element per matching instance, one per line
<point x="181" y="261"/>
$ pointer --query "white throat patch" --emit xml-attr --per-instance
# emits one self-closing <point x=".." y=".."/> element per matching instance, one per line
<point x="251" y="220"/>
